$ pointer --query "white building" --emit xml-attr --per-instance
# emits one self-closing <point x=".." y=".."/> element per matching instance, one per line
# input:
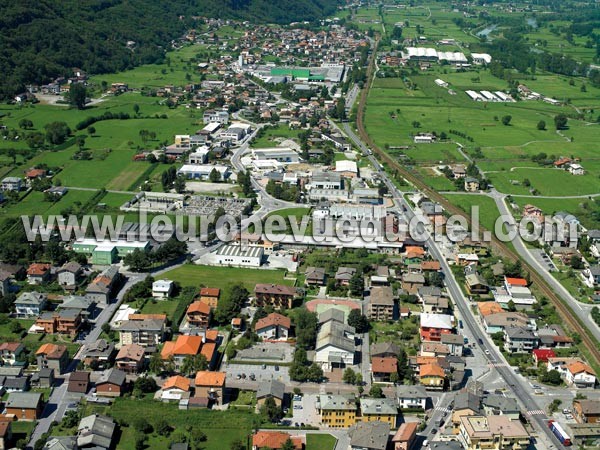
<point x="199" y="156"/>
<point x="210" y="115"/>
<point x="424" y="138"/>
<point x="346" y="167"/>
<point x="279" y="154"/>
<point x="411" y="397"/>
<point x="481" y="58"/>
<point x="11" y="184"/>
<point x="202" y="171"/>
<point x="335" y="345"/>
<point x="162" y="288"/>
<point x="576" y="169"/>
<point x="240" y="255"/>
<point x="580" y="375"/>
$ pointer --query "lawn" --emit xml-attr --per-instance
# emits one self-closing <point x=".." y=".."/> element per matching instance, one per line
<point x="221" y="427"/>
<point x="488" y="212"/>
<point x="274" y="135"/>
<point x="320" y="441"/>
<point x="167" y="307"/>
<point x="222" y="277"/>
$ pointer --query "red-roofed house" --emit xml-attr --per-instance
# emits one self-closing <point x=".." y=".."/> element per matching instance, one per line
<point x="198" y="314"/>
<point x="508" y="281"/>
<point x="10" y="352"/>
<point x="174" y="388"/>
<point x="180" y="348"/>
<point x="38" y="273"/>
<point x="274" y="440"/>
<point x="405" y="435"/>
<point x="210" y="385"/>
<point x="35" y="173"/>
<point x="580" y="375"/>
<point x="210" y="296"/>
<point x="275" y="326"/>
<point x="277" y="295"/>
<point x="383" y="368"/>
<point x="541" y="355"/>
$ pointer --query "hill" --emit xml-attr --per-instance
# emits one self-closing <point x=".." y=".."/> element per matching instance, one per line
<point x="43" y="39"/>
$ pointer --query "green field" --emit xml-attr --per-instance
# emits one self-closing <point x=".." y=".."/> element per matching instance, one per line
<point x="320" y="441"/>
<point x="221" y="277"/>
<point x="274" y="135"/>
<point x="488" y="212"/>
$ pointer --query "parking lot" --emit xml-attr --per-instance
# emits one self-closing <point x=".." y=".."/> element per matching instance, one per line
<point x="544" y="259"/>
<point x="259" y="372"/>
<point x="304" y="411"/>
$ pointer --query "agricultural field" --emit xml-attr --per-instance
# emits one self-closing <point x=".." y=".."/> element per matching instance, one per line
<point x="488" y="212"/>
<point x="222" y="277"/>
<point x="320" y="441"/>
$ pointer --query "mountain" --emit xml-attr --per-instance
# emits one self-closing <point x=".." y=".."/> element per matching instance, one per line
<point x="43" y="39"/>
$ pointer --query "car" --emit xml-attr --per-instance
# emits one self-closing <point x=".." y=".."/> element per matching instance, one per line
<point x="297" y="398"/>
<point x="297" y="406"/>
<point x="302" y="424"/>
<point x="536" y="386"/>
<point x="480" y="341"/>
<point x="244" y="376"/>
<point x="276" y="368"/>
<point x="569" y="417"/>
<point x="433" y="431"/>
<point x="486" y="351"/>
<point x="264" y="366"/>
<point x="425" y="443"/>
<point x="566" y="411"/>
<point x="296" y="424"/>
<point x="539" y="392"/>
<point x="286" y="410"/>
<point x="238" y="376"/>
<point x="460" y="324"/>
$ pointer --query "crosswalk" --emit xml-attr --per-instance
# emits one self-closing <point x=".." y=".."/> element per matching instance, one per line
<point x="497" y="364"/>
<point x="535" y="412"/>
<point x="441" y="409"/>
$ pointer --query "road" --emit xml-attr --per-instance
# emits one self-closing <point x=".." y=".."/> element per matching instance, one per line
<point x="519" y="388"/>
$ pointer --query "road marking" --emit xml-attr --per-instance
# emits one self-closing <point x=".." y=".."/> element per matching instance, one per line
<point x="535" y="412"/>
<point x="441" y="409"/>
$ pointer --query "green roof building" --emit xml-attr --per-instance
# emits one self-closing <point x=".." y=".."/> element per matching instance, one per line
<point x="288" y="72"/>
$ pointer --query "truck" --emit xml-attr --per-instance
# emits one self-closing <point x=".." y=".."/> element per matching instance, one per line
<point x="559" y="432"/>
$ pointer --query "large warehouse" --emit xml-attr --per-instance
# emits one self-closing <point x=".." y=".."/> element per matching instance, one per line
<point x="240" y="255"/>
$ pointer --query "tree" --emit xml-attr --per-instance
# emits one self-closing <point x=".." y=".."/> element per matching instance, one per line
<point x="394" y="377"/>
<point x="162" y="427"/>
<point x="349" y="376"/>
<point x="15" y="327"/>
<point x="541" y="125"/>
<point x="141" y="425"/>
<point x="146" y="384"/>
<point x="25" y="124"/>
<point x="179" y="184"/>
<point x="560" y="121"/>
<point x="376" y="391"/>
<point x="193" y="363"/>
<point x="288" y="445"/>
<point x="271" y="410"/>
<point x="140" y="441"/>
<point x="70" y="419"/>
<point x="576" y="262"/>
<point x="57" y="132"/>
<point x="136" y="108"/>
<point x="511" y="306"/>
<point x="231" y="303"/>
<point x="77" y="95"/>
<point x="551" y="377"/>
<point x="80" y="141"/>
<point x="91" y="130"/>
<point x="237" y="445"/>
<point x="214" y="176"/>
<point x="358" y="320"/>
<point x="357" y="284"/>
<point x="506" y="120"/>
<point x="138" y="260"/>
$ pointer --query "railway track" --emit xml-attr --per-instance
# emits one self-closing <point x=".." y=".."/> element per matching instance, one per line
<point x="566" y="313"/>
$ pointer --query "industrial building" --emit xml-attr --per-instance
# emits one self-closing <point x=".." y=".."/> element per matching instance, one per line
<point x="240" y="255"/>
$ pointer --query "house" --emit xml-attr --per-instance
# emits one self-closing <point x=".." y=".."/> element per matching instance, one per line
<point x="162" y="288"/>
<point x="541" y="355"/>
<point x="586" y="411"/>
<point x="98" y="355"/>
<point x="411" y="397"/>
<point x="69" y="275"/>
<point x="335" y="345"/>
<point x="432" y="376"/>
<point x="497" y="322"/>
<point x="79" y="381"/>
<point x="198" y="314"/>
<point x="314" y="276"/>
<point x="39" y="273"/>
<point x="471" y="184"/>
<point x="384" y="350"/>
<point x="369" y="436"/>
<point x="492" y="432"/>
<point x="275" y="440"/>
<point x="183" y="347"/>
<point x="11" y="184"/>
<point x="111" y="383"/>
<point x="434" y="349"/>
<point x="580" y="375"/>
<point x="145" y="332"/>
<point x="273" y="327"/>
<point x="130" y="358"/>
<point x="576" y="169"/>
<point x="383" y="368"/>
<point x="175" y="388"/>
<point x="30" y="304"/>
<point x="501" y="405"/>
<point x="62" y="321"/>
<point x="95" y="431"/>
<point x="454" y="342"/>
<point x="25" y="406"/>
<point x="16" y="384"/>
<point x="519" y="340"/>
<point x="61" y="443"/>
<point x="210" y="385"/>
<point x="270" y="389"/>
<point x="434" y="325"/>
<point x="52" y="356"/>
<point x="44" y="378"/>
<point x="6" y="435"/>
<point x="379" y="410"/>
<point x="381" y="303"/>
<point x="435" y="305"/>
<point x="412" y="282"/>
<point x="5" y="278"/>
<point x="344" y="275"/>
<point x="210" y="296"/>
<point x="10" y="353"/>
<point x="476" y="284"/>
<point x="405" y="436"/>
<point x="553" y="336"/>
<point x="103" y="286"/>
<point x="84" y="305"/>
<point x="487" y="308"/>
<point x="277" y="295"/>
<point x="337" y="411"/>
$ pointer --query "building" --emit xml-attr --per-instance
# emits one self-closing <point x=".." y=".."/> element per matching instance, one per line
<point x="103" y="286"/>
<point x="432" y="376"/>
<point x="335" y="345"/>
<point x="30" y="304"/>
<point x="162" y="288"/>
<point x="369" y="436"/>
<point x="240" y="255"/>
<point x="270" y="389"/>
<point x="381" y="303"/>
<point x="52" y="356"/>
<point x="519" y="340"/>
<point x="326" y="181"/>
<point x="314" y="276"/>
<point x="384" y="368"/>
<point x="111" y="383"/>
<point x="411" y="397"/>
<point x="6" y="435"/>
<point x="210" y="116"/>
<point x="130" y="358"/>
<point x="276" y="295"/>
<point x="496" y="322"/>
<point x="344" y="275"/>
<point x="412" y="282"/>
<point x="203" y="171"/>
<point x="66" y="321"/>
<point x="434" y="325"/>
<point x="69" y="275"/>
<point x="98" y="355"/>
<point x="210" y="385"/>
<point x="275" y="440"/>
<point x="281" y="155"/>
<point x="337" y="411"/>
<point x="454" y="342"/>
<point x="95" y="431"/>
<point x="586" y="411"/>
<point x="145" y="332"/>
<point x="175" y="388"/>
<point x="346" y="168"/>
<point x="25" y="406"/>
<point x="476" y="284"/>
<point x="11" y="184"/>
<point x="210" y="296"/>
<point x="273" y="327"/>
<point x="10" y="353"/>
<point x="198" y="314"/>
<point x="79" y="381"/>
<point x="405" y="436"/>
<point x="187" y="346"/>
<point x="492" y="432"/>
<point x="580" y="375"/>
<point x="379" y="410"/>
<point x="471" y="184"/>
<point x="384" y="350"/>
<point x="39" y="273"/>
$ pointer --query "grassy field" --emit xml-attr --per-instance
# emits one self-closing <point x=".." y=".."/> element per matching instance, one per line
<point x="221" y="428"/>
<point x="320" y="441"/>
<point x="488" y="212"/>
<point x="274" y="135"/>
<point x="221" y="277"/>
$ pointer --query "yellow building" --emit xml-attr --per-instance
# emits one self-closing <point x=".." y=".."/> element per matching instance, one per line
<point x="337" y="411"/>
<point x="492" y="433"/>
<point x="378" y="409"/>
<point x="432" y="376"/>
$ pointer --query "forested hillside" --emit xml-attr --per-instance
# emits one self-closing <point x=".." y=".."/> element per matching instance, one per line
<point x="42" y="39"/>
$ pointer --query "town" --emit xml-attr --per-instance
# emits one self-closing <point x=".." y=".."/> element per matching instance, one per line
<point x="329" y="337"/>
